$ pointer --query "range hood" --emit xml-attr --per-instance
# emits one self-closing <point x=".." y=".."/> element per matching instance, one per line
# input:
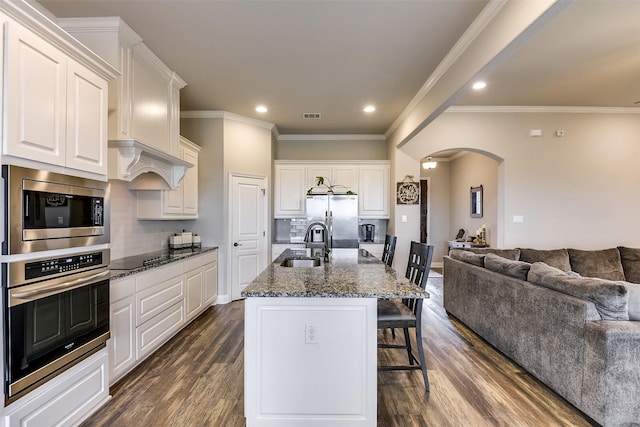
<point x="145" y="167"/>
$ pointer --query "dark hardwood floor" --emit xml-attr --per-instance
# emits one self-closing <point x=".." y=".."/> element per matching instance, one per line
<point x="197" y="380"/>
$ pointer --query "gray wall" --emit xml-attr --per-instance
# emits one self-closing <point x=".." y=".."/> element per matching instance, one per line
<point x="580" y="190"/>
<point x="449" y="199"/>
<point x="331" y="149"/>
<point x="229" y="145"/>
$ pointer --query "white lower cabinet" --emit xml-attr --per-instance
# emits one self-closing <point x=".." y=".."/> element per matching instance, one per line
<point x="210" y="277"/>
<point x="149" y="308"/>
<point x="152" y="334"/>
<point x="122" y="345"/>
<point x="193" y="281"/>
<point x="66" y="400"/>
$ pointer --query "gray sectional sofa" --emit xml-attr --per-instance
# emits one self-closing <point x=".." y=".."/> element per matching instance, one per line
<point x="569" y="317"/>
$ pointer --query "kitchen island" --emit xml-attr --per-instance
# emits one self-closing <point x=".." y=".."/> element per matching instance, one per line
<point x="311" y="338"/>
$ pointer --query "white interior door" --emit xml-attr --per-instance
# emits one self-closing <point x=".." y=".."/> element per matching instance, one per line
<point x="248" y="231"/>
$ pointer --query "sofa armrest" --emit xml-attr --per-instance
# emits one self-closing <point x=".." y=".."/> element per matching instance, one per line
<point x="611" y="377"/>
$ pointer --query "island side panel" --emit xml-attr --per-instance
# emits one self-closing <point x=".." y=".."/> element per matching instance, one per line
<point x="310" y="361"/>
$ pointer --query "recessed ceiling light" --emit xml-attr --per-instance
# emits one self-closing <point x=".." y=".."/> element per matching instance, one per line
<point x="369" y="109"/>
<point x="479" y="85"/>
<point x="261" y="109"/>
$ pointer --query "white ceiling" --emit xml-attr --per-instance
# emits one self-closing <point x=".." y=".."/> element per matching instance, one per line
<point x="334" y="57"/>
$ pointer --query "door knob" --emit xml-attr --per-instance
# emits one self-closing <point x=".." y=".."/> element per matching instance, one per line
<point x="236" y="244"/>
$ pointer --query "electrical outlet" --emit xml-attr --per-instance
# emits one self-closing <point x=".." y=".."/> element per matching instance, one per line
<point x="311" y="333"/>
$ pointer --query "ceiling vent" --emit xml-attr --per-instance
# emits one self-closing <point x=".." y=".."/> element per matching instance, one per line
<point x="311" y="115"/>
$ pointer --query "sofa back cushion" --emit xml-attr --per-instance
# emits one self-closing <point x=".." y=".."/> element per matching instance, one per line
<point x="630" y="258"/>
<point x="609" y="298"/>
<point x="558" y="258"/>
<point x="468" y="257"/>
<point x="604" y="263"/>
<point x="633" y="300"/>
<point x="513" y="254"/>
<point x="517" y="269"/>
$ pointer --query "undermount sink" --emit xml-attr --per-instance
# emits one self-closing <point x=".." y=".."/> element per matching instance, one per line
<point x="301" y="261"/>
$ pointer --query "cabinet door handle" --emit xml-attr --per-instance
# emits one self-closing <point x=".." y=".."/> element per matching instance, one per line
<point x="236" y="244"/>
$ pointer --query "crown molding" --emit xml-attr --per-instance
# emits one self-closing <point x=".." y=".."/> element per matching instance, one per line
<point x="332" y="162"/>
<point x="542" y="109"/>
<point x="469" y="36"/>
<point x="107" y="24"/>
<point x="333" y="137"/>
<point x="35" y="19"/>
<point x="210" y="114"/>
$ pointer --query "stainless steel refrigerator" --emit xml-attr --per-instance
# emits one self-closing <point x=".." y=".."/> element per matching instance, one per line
<point x="339" y="213"/>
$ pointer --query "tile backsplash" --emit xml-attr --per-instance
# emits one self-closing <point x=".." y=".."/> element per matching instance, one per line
<point x="292" y="230"/>
<point x="130" y="236"/>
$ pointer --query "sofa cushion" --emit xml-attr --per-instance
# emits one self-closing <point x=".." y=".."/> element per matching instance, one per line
<point x="633" y="300"/>
<point x="609" y="298"/>
<point x="630" y="258"/>
<point x="517" y="269"/>
<point x="558" y="258"/>
<point x="468" y="257"/>
<point x="513" y="254"/>
<point x="604" y="263"/>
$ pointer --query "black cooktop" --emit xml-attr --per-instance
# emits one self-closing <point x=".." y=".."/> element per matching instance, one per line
<point x="149" y="259"/>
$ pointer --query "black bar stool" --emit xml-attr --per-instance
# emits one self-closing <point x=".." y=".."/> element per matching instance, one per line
<point x="389" y="249"/>
<point x="407" y="313"/>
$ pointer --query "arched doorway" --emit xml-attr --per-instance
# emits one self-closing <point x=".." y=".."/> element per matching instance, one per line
<point x="446" y="203"/>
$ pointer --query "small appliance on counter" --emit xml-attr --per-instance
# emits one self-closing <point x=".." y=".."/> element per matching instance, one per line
<point x="368" y="232"/>
<point x="186" y="239"/>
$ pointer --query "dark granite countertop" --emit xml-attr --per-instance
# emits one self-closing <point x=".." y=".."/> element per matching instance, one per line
<point x="350" y="273"/>
<point x="134" y="264"/>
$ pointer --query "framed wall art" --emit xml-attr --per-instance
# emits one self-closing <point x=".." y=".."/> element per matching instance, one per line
<point x="408" y="191"/>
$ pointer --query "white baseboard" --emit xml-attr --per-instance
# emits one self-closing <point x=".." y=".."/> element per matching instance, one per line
<point x="223" y="299"/>
<point x="437" y="264"/>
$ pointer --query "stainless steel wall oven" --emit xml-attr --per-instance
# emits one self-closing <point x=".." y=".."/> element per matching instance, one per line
<point x="56" y="314"/>
<point x="46" y="210"/>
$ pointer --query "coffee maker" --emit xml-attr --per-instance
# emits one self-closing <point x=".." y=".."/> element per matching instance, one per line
<point x="368" y="232"/>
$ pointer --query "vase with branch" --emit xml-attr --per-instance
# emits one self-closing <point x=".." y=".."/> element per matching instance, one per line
<point x="324" y="183"/>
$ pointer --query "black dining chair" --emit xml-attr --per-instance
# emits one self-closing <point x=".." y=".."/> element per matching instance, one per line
<point x="389" y="249"/>
<point x="407" y="313"/>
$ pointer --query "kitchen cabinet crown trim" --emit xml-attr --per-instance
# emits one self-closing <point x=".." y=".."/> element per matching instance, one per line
<point x="112" y="24"/>
<point x="332" y="162"/>
<point x="34" y="20"/>
<point x="333" y="137"/>
<point x="130" y="38"/>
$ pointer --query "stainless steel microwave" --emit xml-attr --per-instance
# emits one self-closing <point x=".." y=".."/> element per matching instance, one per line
<point x="46" y="210"/>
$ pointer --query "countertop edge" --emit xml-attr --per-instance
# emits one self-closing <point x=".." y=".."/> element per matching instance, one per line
<point x="119" y="274"/>
<point x="414" y="292"/>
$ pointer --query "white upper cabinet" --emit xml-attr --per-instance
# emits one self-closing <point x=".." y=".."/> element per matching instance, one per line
<point x="290" y="190"/>
<point x="181" y="203"/>
<point x="87" y="96"/>
<point x="373" y="197"/>
<point x="369" y="180"/>
<point x="56" y="108"/>
<point x="144" y="102"/>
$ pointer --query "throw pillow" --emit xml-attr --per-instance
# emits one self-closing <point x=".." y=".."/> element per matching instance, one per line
<point x="633" y="300"/>
<point x="468" y="257"/>
<point x="609" y="298"/>
<point x="630" y="258"/>
<point x="517" y="269"/>
<point x="604" y="264"/>
<point x="558" y="258"/>
<point x="513" y="254"/>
